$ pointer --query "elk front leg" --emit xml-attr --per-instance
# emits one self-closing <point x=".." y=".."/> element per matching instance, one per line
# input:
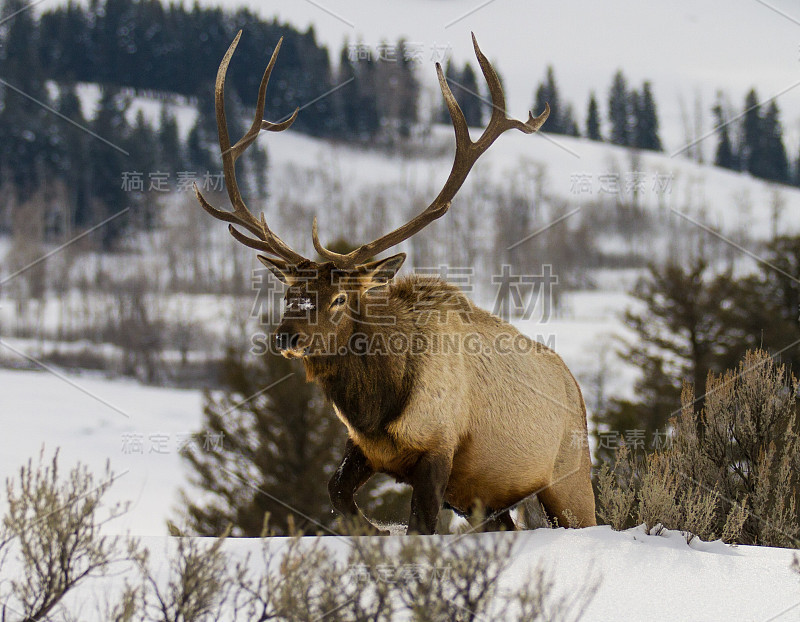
<point x="352" y="474"/>
<point x="429" y="479"/>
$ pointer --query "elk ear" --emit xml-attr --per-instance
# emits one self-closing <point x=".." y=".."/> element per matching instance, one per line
<point x="278" y="267"/>
<point x="377" y="273"/>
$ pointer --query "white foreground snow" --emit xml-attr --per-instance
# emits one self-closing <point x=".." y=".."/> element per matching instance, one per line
<point x="642" y="577"/>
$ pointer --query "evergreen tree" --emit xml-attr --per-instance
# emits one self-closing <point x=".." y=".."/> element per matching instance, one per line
<point x="775" y="165"/>
<point x="750" y="152"/>
<point x="697" y="321"/>
<point x="468" y="97"/>
<point x="619" y="111"/>
<point x="547" y="93"/>
<point x="142" y="147"/>
<point x="269" y="445"/>
<point x="408" y="87"/>
<point x="725" y="156"/>
<point x="108" y="163"/>
<point x="357" y="102"/>
<point x="202" y="145"/>
<point x="25" y="128"/>
<point x="645" y="123"/>
<point x="259" y="162"/>
<point x="569" y="123"/>
<point x="593" y="131"/>
<point x="685" y="331"/>
<point x="73" y="157"/>
<point x="796" y="171"/>
<point x="398" y="90"/>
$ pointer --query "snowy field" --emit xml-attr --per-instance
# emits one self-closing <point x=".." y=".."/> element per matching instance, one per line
<point x="640" y="578"/>
<point x="140" y="429"/>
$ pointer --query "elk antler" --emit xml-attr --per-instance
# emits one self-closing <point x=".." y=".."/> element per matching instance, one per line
<point x="265" y="239"/>
<point x="467" y="153"/>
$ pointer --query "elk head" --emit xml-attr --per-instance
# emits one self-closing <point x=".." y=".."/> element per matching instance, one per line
<point x="325" y="299"/>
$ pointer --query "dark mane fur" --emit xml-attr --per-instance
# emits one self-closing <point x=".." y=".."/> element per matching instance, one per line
<point x="371" y="390"/>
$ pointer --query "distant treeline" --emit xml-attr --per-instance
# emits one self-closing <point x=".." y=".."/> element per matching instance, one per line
<point x="148" y="45"/>
<point x="73" y="165"/>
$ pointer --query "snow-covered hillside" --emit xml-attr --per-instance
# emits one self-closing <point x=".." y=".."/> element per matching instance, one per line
<point x="140" y="429"/>
<point x="689" y="50"/>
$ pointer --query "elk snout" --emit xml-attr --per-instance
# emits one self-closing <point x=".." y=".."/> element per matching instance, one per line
<point x="288" y="342"/>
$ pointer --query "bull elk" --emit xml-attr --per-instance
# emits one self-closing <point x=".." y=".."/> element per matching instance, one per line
<point x="434" y="391"/>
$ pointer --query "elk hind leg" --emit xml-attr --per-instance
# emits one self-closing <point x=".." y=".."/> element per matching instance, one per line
<point x="570" y="501"/>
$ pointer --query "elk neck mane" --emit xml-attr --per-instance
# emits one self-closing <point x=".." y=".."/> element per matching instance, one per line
<point x="370" y="389"/>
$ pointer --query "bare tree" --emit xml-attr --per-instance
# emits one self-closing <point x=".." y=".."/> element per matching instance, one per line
<point x="51" y="533"/>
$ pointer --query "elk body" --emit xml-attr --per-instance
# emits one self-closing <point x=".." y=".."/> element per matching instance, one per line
<point x="434" y="391"/>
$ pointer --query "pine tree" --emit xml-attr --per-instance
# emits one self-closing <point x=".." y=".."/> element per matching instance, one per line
<point x="750" y="154"/>
<point x="269" y="445"/>
<point x="143" y="150"/>
<point x="618" y="111"/>
<point x="569" y="123"/>
<point x="775" y="166"/>
<point x="169" y="142"/>
<point x="686" y="330"/>
<point x="409" y="89"/>
<point x="634" y="100"/>
<point x="725" y="156"/>
<point x="357" y="102"/>
<point x="25" y="153"/>
<point x="108" y="163"/>
<point x="593" y="131"/>
<point x="547" y="93"/>
<point x="697" y="321"/>
<point x="468" y="97"/>
<point x="645" y="126"/>
<point x="73" y="156"/>
<point x="796" y="171"/>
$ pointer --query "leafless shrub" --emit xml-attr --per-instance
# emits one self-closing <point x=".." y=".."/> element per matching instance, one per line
<point x="741" y="451"/>
<point x="138" y="327"/>
<point x="455" y="579"/>
<point x="51" y="535"/>
<point x="199" y="586"/>
<point x="616" y="493"/>
<point x="384" y="579"/>
<point x="538" y="603"/>
<point x="657" y="495"/>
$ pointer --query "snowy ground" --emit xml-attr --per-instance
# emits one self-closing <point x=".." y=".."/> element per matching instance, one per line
<point x="139" y="429"/>
<point x="641" y="578"/>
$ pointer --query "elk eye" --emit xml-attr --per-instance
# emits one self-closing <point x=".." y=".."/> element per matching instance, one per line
<point x="340" y="300"/>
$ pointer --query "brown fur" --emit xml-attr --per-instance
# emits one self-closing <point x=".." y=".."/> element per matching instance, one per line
<point x="508" y="424"/>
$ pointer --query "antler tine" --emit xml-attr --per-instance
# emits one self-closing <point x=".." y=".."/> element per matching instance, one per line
<point x="265" y="239"/>
<point x="467" y="153"/>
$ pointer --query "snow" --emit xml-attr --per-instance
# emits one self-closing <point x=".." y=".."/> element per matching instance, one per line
<point x="689" y="50"/>
<point x="92" y="420"/>
<point x="661" y="577"/>
<point x="641" y="577"/>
